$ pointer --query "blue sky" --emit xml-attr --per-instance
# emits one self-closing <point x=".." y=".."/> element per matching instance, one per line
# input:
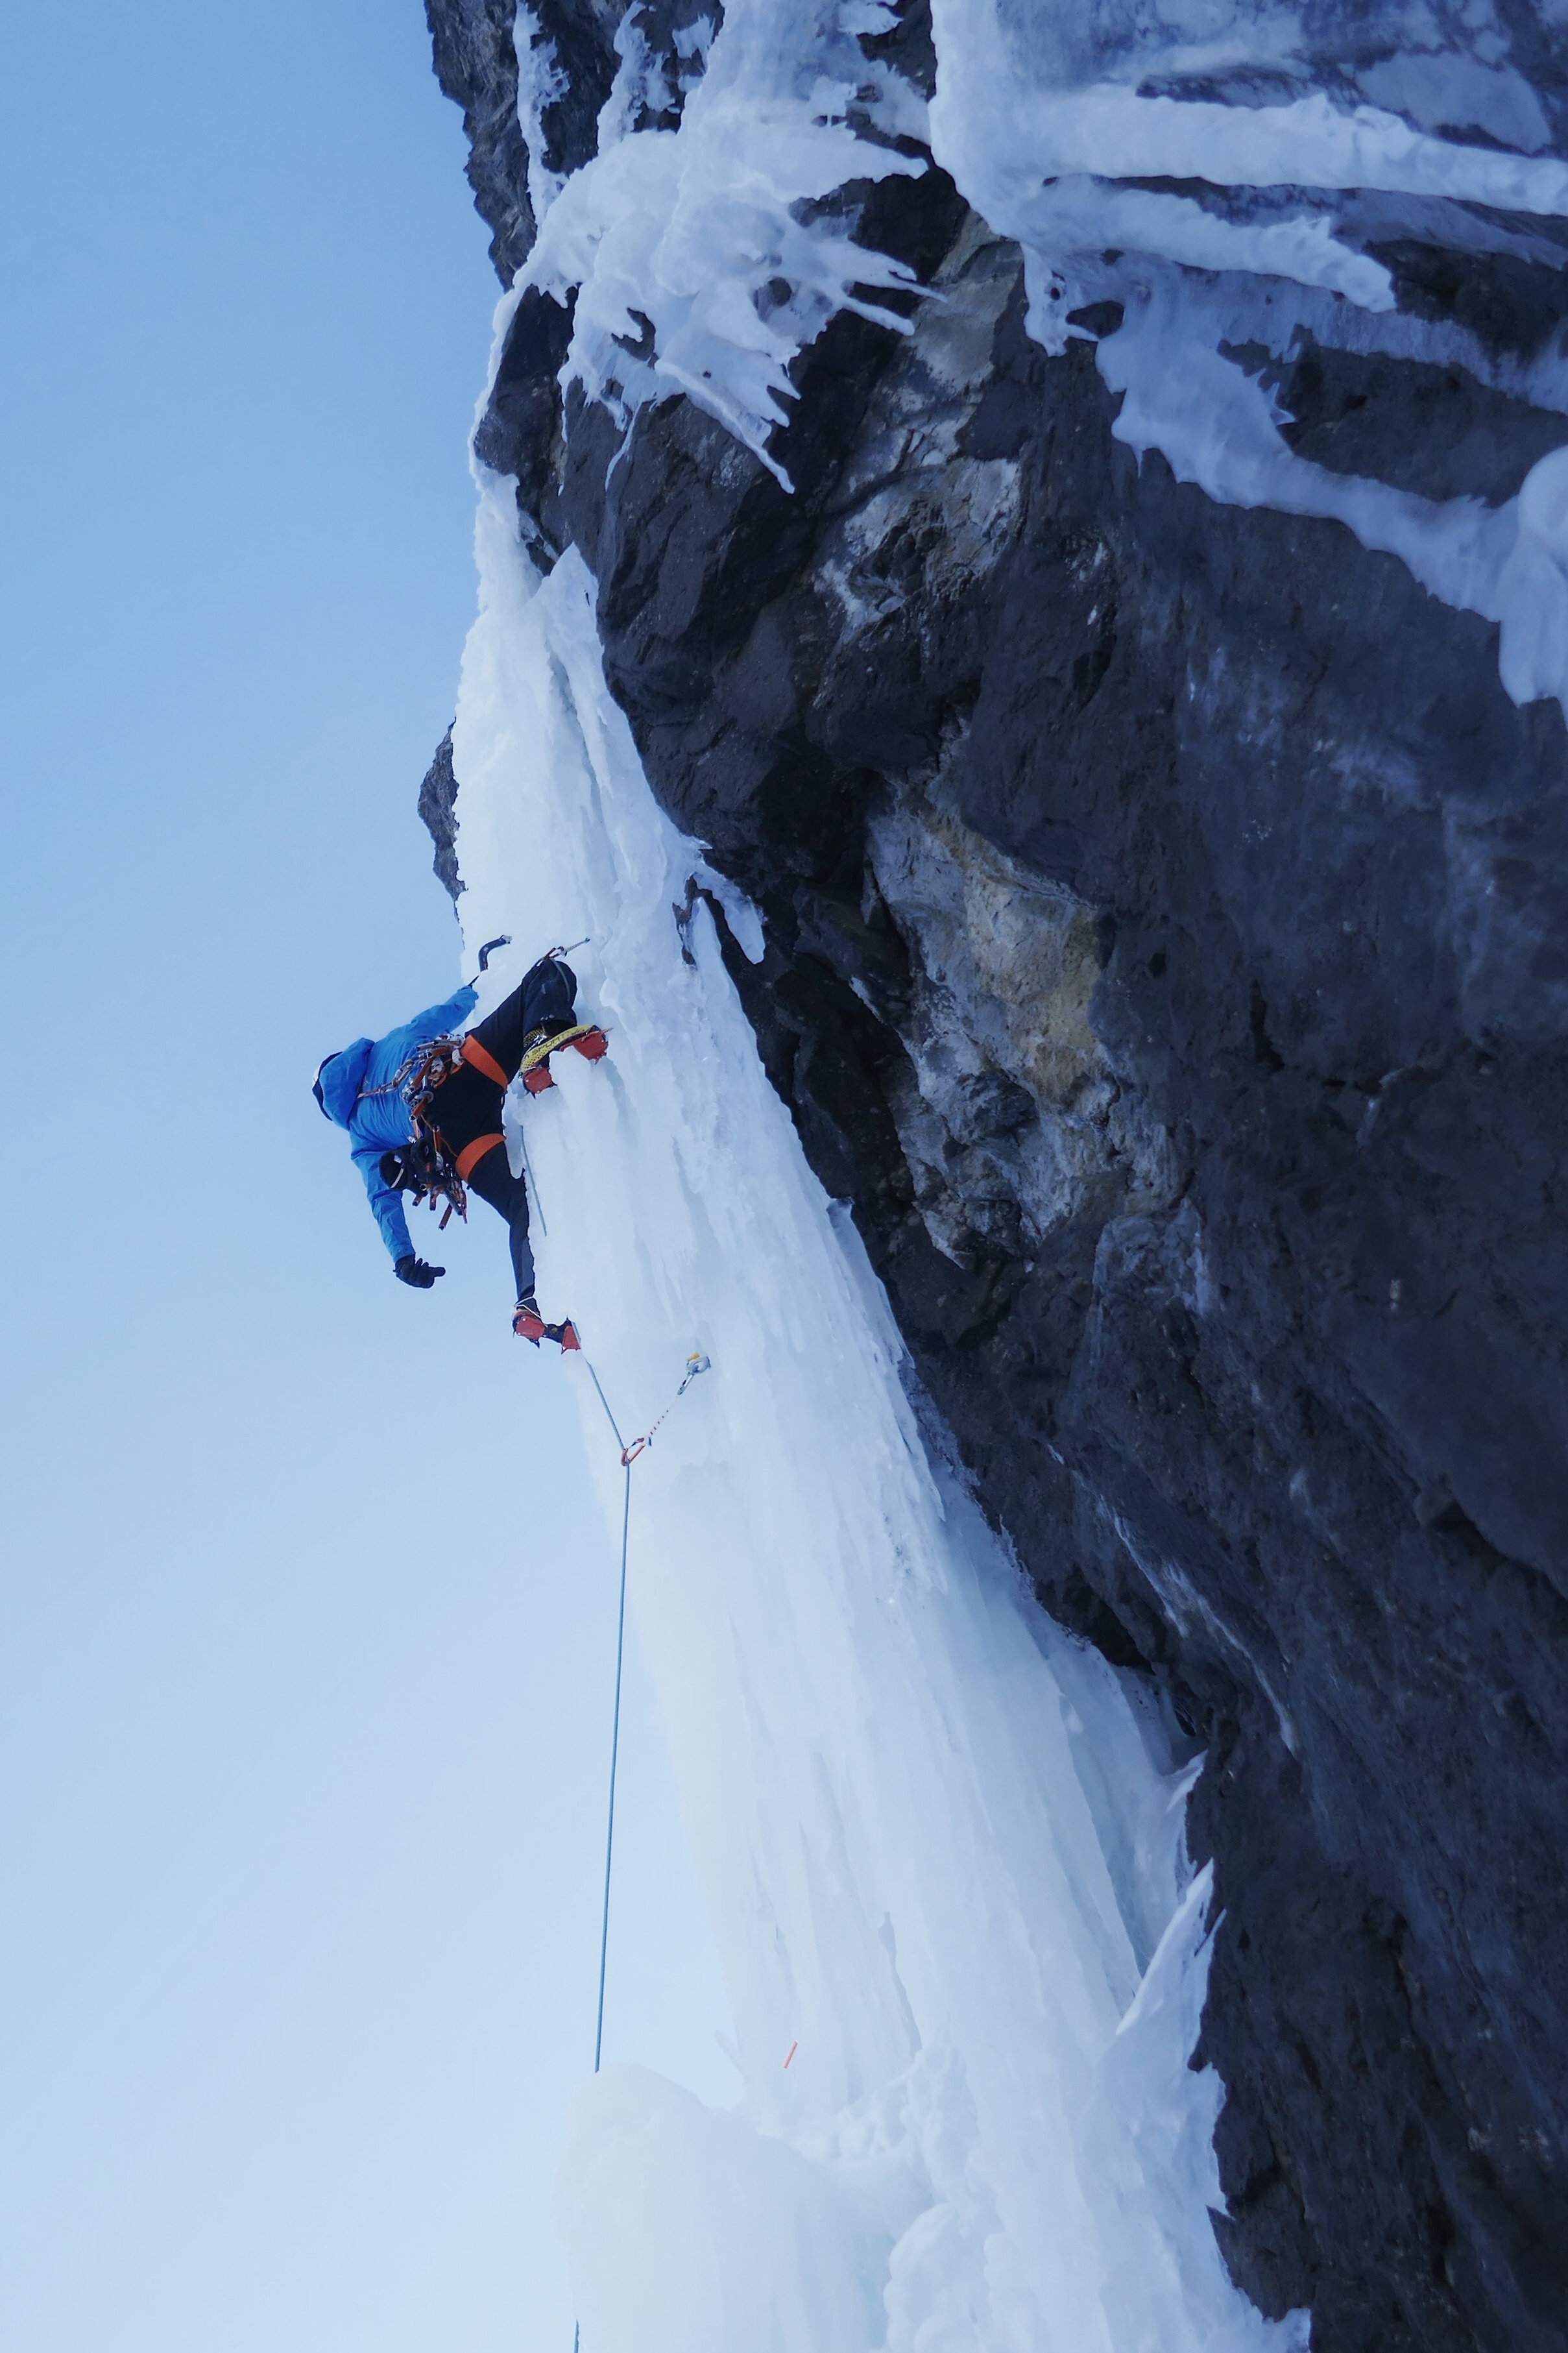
<point x="306" y="1614"/>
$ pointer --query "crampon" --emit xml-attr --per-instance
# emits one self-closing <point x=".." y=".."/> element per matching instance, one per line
<point x="529" y="1324"/>
<point x="588" y="1039"/>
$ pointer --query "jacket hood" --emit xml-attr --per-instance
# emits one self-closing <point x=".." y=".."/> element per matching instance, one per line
<point x="340" y="1079"/>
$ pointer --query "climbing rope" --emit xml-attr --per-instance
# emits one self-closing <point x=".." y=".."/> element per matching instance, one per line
<point x="695" y="1362"/>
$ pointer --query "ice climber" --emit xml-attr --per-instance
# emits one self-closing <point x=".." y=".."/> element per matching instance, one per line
<point x="423" y="1110"/>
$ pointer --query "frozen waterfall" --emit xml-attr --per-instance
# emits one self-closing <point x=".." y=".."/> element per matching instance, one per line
<point x="940" y="1843"/>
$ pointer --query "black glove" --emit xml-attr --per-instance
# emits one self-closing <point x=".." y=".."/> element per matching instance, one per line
<point x="415" y="1270"/>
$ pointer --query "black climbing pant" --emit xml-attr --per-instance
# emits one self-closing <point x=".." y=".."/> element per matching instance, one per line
<point x="493" y="1181"/>
<point x="543" y="999"/>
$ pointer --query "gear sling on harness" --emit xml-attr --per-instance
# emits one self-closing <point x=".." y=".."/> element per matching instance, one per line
<point x="435" y="1170"/>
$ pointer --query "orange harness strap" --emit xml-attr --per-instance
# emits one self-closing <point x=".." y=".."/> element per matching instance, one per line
<point x="479" y="1057"/>
<point x="472" y="1154"/>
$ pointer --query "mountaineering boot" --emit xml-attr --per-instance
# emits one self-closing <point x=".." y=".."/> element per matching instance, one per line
<point x="589" y="1040"/>
<point x="529" y="1324"/>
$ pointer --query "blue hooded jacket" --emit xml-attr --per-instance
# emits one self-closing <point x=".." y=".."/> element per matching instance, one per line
<point x="355" y="1090"/>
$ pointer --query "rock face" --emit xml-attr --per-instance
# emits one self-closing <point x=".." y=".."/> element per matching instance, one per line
<point x="1167" y="955"/>
<point x="437" y="808"/>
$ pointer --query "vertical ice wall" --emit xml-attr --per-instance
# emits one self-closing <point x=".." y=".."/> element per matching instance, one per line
<point x="940" y="1853"/>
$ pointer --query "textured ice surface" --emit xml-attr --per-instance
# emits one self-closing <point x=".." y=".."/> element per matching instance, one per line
<point x="940" y="1846"/>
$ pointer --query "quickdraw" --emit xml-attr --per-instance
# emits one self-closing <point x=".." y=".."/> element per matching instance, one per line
<point x="695" y="1362"/>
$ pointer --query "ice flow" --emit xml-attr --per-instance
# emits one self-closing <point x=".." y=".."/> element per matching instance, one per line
<point x="940" y="1845"/>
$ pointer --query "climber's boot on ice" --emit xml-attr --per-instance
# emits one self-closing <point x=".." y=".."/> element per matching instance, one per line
<point x="529" y="1324"/>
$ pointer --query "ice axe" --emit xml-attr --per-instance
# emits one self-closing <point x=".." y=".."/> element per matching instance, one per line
<point x="501" y="940"/>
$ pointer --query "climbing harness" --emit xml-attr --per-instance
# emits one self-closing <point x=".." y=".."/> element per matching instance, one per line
<point x="436" y="1172"/>
<point x="477" y="1055"/>
<point x="695" y="1362"/>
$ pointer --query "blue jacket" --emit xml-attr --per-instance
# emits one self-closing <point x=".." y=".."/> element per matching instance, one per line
<point x="355" y="1090"/>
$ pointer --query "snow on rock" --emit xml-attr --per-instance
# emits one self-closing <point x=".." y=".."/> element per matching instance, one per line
<point x="540" y="82"/>
<point x="696" y="266"/>
<point x="704" y="260"/>
<point x="1041" y="158"/>
<point x="1215" y="426"/>
<point x="941" y="1843"/>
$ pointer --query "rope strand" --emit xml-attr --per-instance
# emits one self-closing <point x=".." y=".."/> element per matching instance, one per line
<point x="615" y="1758"/>
<point x="533" y="1179"/>
<point x="695" y="1362"/>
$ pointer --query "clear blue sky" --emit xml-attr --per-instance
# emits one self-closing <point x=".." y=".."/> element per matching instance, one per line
<point x="305" y="1613"/>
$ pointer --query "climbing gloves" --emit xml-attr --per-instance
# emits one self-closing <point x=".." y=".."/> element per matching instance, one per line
<point x="413" y="1270"/>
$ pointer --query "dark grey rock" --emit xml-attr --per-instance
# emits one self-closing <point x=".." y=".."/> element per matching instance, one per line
<point x="476" y="64"/>
<point x="1165" y="914"/>
<point x="437" y="796"/>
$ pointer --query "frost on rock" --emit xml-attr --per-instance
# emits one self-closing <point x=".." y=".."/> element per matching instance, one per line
<point x="540" y="82"/>
<point x="1039" y="117"/>
<point x="941" y="1842"/>
<point x="1215" y="174"/>
<point x="698" y="263"/>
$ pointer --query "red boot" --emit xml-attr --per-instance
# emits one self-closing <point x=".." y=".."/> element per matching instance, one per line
<point x="527" y="1322"/>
